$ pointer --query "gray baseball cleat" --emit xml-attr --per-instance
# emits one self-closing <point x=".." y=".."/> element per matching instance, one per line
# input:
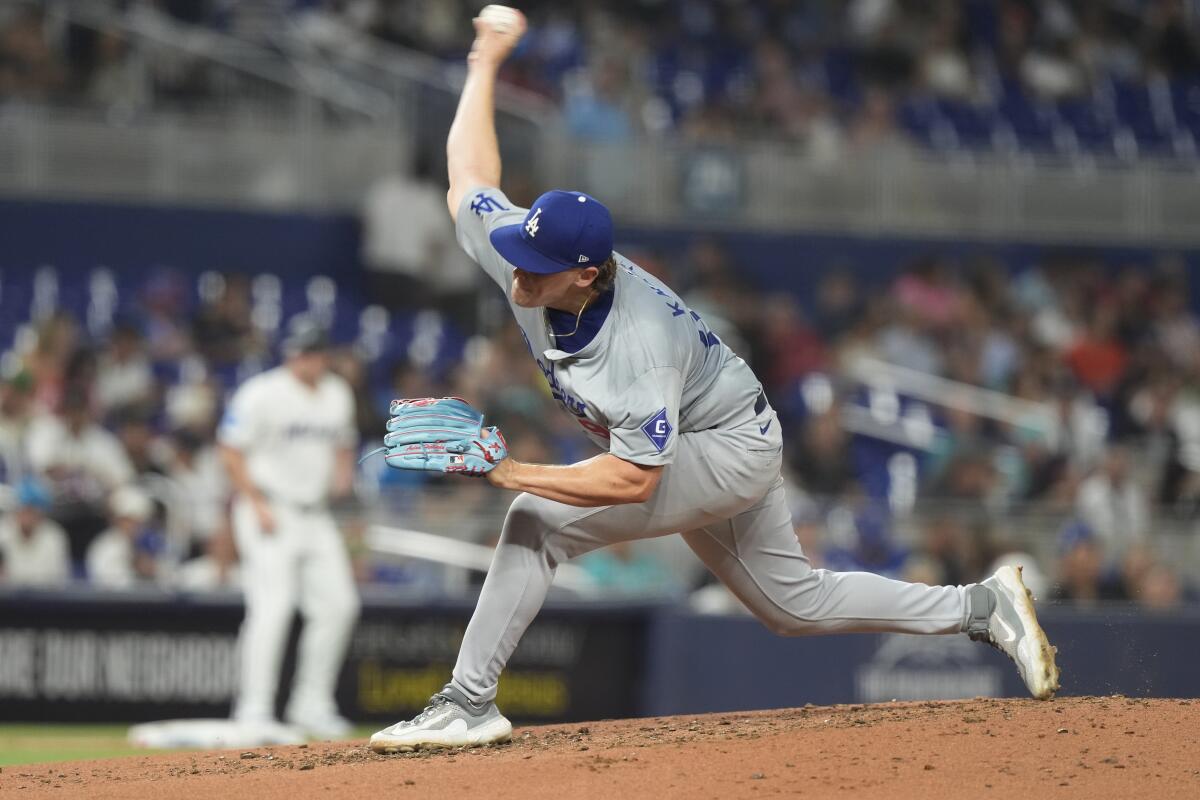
<point x="450" y="720"/>
<point x="1002" y="615"/>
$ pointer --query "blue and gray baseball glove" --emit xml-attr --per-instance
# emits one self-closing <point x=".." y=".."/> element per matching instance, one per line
<point x="442" y="434"/>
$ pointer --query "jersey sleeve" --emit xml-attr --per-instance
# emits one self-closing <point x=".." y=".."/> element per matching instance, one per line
<point x="481" y="211"/>
<point x="241" y="422"/>
<point x="644" y="427"/>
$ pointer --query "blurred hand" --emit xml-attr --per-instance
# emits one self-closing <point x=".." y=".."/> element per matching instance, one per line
<point x="492" y="46"/>
<point x="262" y="510"/>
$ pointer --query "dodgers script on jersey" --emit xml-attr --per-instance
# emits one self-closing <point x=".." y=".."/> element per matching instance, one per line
<point x="290" y="432"/>
<point x="653" y="371"/>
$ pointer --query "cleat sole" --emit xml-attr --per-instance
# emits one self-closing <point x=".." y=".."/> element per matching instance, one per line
<point x="1048" y="679"/>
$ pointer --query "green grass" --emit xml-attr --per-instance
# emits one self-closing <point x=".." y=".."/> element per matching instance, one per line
<point x="33" y="743"/>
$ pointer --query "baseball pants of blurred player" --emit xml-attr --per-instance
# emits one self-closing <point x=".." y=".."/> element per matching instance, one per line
<point x="730" y="500"/>
<point x="301" y="564"/>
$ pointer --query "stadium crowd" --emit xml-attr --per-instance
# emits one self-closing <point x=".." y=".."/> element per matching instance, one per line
<point x="1120" y="77"/>
<point x="108" y="441"/>
<point x="107" y="431"/>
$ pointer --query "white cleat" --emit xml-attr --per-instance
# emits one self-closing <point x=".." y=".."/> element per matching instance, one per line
<point x="1011" y="626"/>
<point x="450" y="720"/>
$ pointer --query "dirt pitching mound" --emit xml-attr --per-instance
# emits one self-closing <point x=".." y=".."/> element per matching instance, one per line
<point x="1090" y="747"/>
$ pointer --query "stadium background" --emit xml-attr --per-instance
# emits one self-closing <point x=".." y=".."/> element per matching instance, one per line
<point x="958" y="242"/>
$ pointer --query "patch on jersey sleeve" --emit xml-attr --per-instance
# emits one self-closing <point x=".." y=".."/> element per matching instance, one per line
<point x="658" y="430"/>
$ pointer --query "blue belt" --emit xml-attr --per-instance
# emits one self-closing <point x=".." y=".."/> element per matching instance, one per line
<point x="760" y="404"/>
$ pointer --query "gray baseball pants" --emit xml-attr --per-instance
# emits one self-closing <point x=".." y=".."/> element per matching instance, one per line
<point x="726" y="498"/>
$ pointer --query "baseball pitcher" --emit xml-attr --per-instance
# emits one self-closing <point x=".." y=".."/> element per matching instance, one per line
<point x="691" y="444"/>
<point x="287" y="441"/>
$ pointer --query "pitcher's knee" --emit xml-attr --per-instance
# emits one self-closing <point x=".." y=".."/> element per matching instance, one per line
<point x="782" y="624"/>
<point x="527" y="522"/>
<point x="796" y="614"/>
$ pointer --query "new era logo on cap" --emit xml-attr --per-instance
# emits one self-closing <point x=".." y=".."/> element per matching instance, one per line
<point x="563" y="230"/>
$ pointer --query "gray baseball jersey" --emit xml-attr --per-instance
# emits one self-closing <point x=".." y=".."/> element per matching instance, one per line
<point x="654" y="386"/>
<point x="653" y="371"/>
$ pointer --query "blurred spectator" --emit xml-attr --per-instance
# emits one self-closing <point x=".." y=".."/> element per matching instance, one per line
<point x="29" y="67"/>
<point x="126" y="553"/>
<point x="627" y="570"/>
<point x="16" y="406"/>
<point x="839" y="302"/>
<point x="1171" y="42"/>
<point x="1160" y="589"/>
<point x="791" y="348"/>
<point x="1176" y="327"/>
<point x="164" y="322"/>
<point x="863" y="542"/>
<point x="215" y="570"/>
<point x="115" y="79"/>
<point x="418" y="264"/>
<point x="135" y="430"/>
<point x="1051" y="73"/>
<point x="124" y="376"/>
<point x="595" y="105"/>
<point x="821" y="456"/>
<point x="944" y="67"/>
<point x="873" y="131"/>
<point x="907" y="340"/>
<point x="368" y="419"/>
<point x="1112" y="503"/>
<point x="81" y="459"/>
<point x="948" y="543"/>
<point x="222" y="328"/>
<point x="193" y="406"/>
<point x="33" y="548"/>
<point x="1081" y="574"/>
<point x="57" y="341"/>
<point x="1097" y="357"/>
<point x="812" y="74"/>
<point x="717" y="291"/>
<point x="202" y="487"/>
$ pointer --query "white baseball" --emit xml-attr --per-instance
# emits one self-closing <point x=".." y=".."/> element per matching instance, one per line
<point x="502" y="19"/>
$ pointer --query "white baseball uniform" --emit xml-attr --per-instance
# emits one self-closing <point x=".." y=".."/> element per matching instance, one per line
<point x="290" y="434"/>
<point x="655" y="386"/>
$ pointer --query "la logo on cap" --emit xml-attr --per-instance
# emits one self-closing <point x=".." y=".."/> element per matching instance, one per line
<point x="531" y="227"/>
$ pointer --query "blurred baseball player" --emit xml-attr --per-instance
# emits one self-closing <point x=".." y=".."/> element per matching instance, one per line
<point x="691" y="444"/>
<point x="287" y="441"/>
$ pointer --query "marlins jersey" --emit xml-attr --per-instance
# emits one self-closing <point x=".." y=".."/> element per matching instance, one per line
<point x="653" y="371"/>
<point x="290" y="432"/>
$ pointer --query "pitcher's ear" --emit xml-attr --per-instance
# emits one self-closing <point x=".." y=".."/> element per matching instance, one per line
<point x="587" y="276"/>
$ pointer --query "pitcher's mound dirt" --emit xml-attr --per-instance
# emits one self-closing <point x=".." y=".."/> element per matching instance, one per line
<point x="1091" y="747"/>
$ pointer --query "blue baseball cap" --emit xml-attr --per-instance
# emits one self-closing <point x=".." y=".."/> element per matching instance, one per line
<point x="562" y="230"/>
<point x="1073" y="534"/>
<point x="32" y="493"/>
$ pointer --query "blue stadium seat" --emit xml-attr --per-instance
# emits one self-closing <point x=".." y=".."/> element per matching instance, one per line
<point x="1185" y="100"/>
<point x="973" y="125"/>
<point x="1032" y="123"/>
<point x="1093" y="132"/>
